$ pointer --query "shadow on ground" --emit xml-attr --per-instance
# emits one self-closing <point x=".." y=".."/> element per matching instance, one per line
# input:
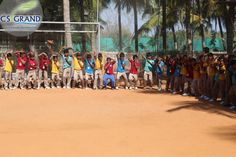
<point x="199" y="105"/>
<point x="225" y="133"/>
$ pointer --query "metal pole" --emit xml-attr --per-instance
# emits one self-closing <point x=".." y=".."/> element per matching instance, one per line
<point x="99" y="34"/>
<point x="98" y="9"/>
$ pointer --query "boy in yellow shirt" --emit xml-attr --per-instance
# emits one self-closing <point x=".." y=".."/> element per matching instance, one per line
<point x="219" y="86"/>
<point x="183" y="73"/>
<point x="78" y="69"/>
<point x="210" y="73"/>
<point x="196" y="77"/>
<point x="203" y="77"/>
<point x="98" y="71"/>
<point x="9" y="63"/>
<point x="55" y="72"/>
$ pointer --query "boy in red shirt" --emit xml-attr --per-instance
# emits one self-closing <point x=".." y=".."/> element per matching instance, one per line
<point x="32" y="66"/>
<point x="20" y="69"/>
<point x="43" y="70"/>
<point x="133" y="76"/>
<point x="109" y="74"/>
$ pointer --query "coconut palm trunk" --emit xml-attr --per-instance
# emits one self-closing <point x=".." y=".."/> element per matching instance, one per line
<point x="202" y="33"/>
<point x="66" y="15"/>
<point x="136" y="26"/>
<point x="188" y="27"/>
<point x="120" y="26"/>
<point x="230" y="28"/>
<point x="164" y="24"/>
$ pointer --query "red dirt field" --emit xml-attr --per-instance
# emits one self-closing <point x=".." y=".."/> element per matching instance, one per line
<point x="87" y="123"/>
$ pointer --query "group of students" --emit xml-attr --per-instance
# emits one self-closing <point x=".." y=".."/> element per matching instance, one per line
<point x="206" y="76"/>
<point x="67" y="69"/>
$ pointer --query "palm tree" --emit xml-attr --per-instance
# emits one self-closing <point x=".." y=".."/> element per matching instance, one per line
<point x="165" y="15"/>
<point x="134" y="5"/>
<point x="164" y="26"/>
<point x="66" y="13"/>
<point x="118" y="6"/>
<point x="229" y="17"/>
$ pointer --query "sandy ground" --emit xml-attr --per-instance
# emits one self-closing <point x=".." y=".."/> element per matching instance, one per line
<point x="80" y="123"/>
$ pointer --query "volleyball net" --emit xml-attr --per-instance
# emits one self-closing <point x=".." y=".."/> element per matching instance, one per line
<point x="85" y="36"/>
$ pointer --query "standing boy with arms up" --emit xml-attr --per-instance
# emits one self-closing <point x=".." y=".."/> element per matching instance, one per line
<point x="133" y="75"/>
<point x="121" y="69"/>
<point x="20" y="69"/>
<point x="98" y="71"/>
<point x="9" y="63"/>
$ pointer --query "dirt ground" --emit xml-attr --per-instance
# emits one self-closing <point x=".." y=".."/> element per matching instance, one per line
<point x="86" y="123"/>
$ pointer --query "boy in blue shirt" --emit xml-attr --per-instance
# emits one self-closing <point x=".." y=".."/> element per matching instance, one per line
<point x="159" y="64"/>
<point x="89" y="69"/>
<point x="148" y="69"/>
<point x="121" y="69"/>
<point x="177" y="77"/>
<point x="67" y="65"/>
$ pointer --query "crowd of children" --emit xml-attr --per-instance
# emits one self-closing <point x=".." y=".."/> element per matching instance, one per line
<point x="205" y="76"/>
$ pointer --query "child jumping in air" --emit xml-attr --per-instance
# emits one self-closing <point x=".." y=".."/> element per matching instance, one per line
<point x="109" y="74"/>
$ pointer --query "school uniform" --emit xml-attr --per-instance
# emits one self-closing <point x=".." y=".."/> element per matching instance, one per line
<point x="121" y="70"/>
<point x="67" y="71"/>
<point x="210" y="80"/>
<point x="133" y="75"/>
<point x="8" y="72"/>
<point x="31" y="76"/>
<point x="196" y="79"/>
<point x="43" y="72"/>
<point x="148" y="69"/>
<point x="203" y="78"/>
<point x="98" y="73"/>
<point x="55" y="73"/>
<point x="20" y="71"/>
<point x="78" y="69"/>
<point x="159" y="72"/>
<point x="177" y="79"/>
<point x="109" y="75"/>
<point x="89" y="71"/>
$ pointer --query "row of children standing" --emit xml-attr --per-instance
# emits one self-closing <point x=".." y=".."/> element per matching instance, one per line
<point x="66" y="70"/>
<point x="205" y="76"/>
